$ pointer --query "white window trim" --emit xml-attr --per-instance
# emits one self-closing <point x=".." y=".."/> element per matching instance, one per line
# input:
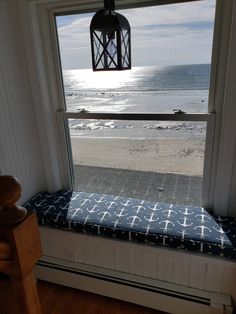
<point x="223" y="171"/>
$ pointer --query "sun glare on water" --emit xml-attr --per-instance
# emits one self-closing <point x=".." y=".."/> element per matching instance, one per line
<point x="86" y="78"/>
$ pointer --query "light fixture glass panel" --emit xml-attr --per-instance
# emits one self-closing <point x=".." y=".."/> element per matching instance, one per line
<point x="110" y="40"/>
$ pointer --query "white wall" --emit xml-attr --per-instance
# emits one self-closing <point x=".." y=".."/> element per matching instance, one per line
<point x="225" y="183"/>
<point x="20" y="151"/>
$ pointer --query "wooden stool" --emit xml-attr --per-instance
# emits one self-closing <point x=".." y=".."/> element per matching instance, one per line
<point x="20" y="246"/>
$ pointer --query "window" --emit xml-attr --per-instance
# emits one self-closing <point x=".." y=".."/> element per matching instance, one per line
<point x="219" y="171"/>
<point x="158" y="153"/>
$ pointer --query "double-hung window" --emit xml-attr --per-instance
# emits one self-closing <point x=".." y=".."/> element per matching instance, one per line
<point x="142" y="133"/>
<point x="154" y="132"/>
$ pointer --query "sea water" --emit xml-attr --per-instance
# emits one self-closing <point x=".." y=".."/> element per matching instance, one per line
<point x="147" y="89"/>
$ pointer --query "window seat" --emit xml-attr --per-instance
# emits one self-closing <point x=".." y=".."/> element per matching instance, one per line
<point x="178" y="226"/>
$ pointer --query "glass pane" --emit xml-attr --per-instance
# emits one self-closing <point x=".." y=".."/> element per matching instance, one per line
<point x="171" y="61"/>
<point x="155" y="160"/>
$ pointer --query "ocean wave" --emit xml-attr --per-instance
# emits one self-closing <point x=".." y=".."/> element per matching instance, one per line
<point x="113" y="93"/>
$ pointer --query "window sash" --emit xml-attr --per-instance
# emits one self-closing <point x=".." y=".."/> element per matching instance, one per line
<point x="198" y="117"/>
<point x="63" y="117"/>
<point x="209" y="117"/>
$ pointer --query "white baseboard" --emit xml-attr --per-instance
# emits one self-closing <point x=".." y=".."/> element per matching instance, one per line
<point x="154" y="294"/>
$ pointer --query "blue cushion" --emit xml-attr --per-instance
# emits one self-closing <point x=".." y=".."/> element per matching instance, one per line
<point x="183" y="227"/>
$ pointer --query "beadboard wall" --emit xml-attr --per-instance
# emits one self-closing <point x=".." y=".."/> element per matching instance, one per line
<point x="186" y="269"/>
<point x="21" y="154"/>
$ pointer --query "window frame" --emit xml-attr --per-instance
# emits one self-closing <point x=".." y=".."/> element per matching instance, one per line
<point x="44" y="30"/>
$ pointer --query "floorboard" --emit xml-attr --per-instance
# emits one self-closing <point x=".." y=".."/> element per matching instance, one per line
<point x="57" y="299"/>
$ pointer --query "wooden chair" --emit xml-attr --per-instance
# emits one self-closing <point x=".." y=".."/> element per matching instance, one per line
<point x="20" y="246"/>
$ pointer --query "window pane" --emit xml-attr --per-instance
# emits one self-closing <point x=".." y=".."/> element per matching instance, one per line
<point x="171" y="61"/>
<point x="155" y="160"/>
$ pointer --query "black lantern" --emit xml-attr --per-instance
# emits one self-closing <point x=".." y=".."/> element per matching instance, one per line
<point x="110" y="39"/>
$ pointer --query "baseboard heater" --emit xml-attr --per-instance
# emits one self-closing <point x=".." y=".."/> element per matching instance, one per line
<point x="159" y="295"/>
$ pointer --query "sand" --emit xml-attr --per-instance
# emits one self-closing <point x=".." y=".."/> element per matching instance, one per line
<point x="180" y="156"/>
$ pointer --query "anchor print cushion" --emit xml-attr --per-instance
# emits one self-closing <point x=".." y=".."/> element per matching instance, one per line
<point x="183" y="227"/>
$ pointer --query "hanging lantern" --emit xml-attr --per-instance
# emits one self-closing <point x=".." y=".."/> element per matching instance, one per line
<point x="110" y="39"/>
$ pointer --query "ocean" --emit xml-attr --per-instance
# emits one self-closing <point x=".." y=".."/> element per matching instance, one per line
<point x="147" y="89"/>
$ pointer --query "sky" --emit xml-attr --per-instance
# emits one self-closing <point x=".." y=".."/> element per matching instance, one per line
<point x="160" y="35"/>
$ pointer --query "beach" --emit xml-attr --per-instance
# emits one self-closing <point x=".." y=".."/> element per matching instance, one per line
<point x="151" y="146"/>
<point x="164" y="155"/>
<point x="154" y="146"/>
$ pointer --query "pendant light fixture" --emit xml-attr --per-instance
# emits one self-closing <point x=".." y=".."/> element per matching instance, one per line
<point x="110" y="39"/>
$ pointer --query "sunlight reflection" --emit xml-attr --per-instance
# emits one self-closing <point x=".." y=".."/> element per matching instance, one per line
<point x="102" y="80"/>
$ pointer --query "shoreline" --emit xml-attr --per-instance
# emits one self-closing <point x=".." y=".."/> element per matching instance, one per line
<point x="137" y="129"/>
<point x="165" y="101"/>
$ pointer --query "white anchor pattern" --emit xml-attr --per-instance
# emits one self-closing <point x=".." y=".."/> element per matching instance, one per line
<point x="184" y="227"/>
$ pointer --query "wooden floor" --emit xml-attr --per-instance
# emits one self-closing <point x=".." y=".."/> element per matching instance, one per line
<point x="62" y="300"/>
